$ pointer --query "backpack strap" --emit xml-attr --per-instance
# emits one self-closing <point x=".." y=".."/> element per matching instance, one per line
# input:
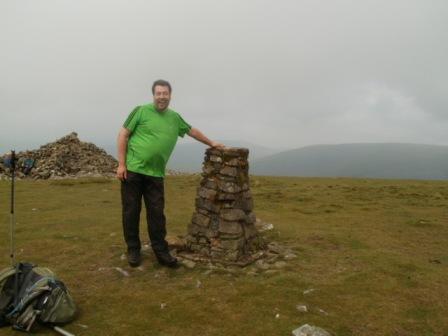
<point x="5" y="274"/>
<point x="6" y="293"/>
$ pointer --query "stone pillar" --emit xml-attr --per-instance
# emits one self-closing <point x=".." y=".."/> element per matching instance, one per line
<point x="223" y="224"/>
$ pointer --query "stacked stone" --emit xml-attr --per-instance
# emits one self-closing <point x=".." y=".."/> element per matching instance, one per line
<point x="223" y="225"/>
<point x="66" y="157"/>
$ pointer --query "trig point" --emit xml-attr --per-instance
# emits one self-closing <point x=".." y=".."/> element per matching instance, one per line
<point x="223" y="225"/>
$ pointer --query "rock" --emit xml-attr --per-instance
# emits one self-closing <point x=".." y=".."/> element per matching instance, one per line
<point x="275" y="248"/>
<point x="201" y="219"/>
<point x="308" y="330"/>
<point x="206" y="193"/>
<point x="251" y="273"/>
<point x="188" y="263"/>
<point x="262" y="265"/>
<point x="263" y="226"/>
<point x="122" y="271"/>
<point x="232" y="228"/>
<point x="308" y="291"/>
<point x="290" y="256"/>
<point x="215" y="158"/>
<point x="175" y="242"/>
<point x="302" y="308"/>
<point x="232" y="215"/>
<point x="323" y="312"/>
<point x="84" y="326"/>
<point x="280" y="264"/>
<point x="229" y="171"/>
<point x="207" y="205"/>
<point x="229" y="187"/>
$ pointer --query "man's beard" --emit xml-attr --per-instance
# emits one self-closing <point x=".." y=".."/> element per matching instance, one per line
<point x="162" y="105"/>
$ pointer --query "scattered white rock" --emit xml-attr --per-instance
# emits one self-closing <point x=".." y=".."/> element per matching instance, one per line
<point x="277" y="315"/>
<point x="308" y="330"/>
<point x="261" y="264"/>
<point x="146" y="247"/>
<point x="113" y="234"/>
<point x="308" y="291"/>
<point x="33" y="209"/>
<point x="263" y="226"/>
<point x="198" y="283"/>
<point x="82" y="325"/>
<point x="323" y="312"/>
<point x="123" y="257"/>
<point x="280" y="264"/>
<point x="162" y="305"/>
<point x="302" y="308"/>
<point x="275" y="248"/>
<point x="290" y="256"/>
<point x="122" y="271"/>
<point x="188" y="263"/>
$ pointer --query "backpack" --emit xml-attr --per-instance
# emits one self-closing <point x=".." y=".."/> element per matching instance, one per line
<point x="30" y="294"/>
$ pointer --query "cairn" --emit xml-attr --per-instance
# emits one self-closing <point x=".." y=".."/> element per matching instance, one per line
<point x="67" y="157"/>
<point x="223" y="225"/>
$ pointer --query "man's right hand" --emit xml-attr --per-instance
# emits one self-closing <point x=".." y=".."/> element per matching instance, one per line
<point x="122" y="172"/>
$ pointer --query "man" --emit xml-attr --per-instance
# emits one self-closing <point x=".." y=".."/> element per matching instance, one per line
<point x="145" y="143"/>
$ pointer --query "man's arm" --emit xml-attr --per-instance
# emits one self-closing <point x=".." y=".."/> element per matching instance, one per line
<point x="199" y="136"/>
<point x="122" y="145"/>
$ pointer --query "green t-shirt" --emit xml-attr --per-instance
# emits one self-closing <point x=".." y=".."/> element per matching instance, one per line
<point x="152" y="139"/>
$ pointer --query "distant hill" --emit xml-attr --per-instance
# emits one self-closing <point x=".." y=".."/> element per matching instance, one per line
<point x="188" y="157"/>
<point x="382" y="160"/>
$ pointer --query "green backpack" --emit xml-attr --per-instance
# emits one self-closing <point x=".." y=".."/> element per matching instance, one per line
<point x="30" y="294"/>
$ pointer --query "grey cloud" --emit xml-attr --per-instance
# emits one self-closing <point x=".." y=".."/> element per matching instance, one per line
<point x="282" y="74"/>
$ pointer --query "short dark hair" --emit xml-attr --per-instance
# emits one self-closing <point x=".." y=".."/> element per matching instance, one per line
<point x="161" y="82"/>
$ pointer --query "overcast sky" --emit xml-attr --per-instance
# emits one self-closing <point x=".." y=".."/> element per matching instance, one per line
<point x="285" y="73"/>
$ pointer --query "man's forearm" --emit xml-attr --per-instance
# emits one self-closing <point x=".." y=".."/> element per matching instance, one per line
<point x="198" y="135"/>
<point x="122" y="144"/>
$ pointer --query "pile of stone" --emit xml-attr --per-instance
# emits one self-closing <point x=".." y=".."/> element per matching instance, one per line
<point x="64" y="158"/>
<point x="223" y="225"/>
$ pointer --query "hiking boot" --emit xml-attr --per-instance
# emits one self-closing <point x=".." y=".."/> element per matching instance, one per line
<point x="134" y="258"/>
<point x="166" y="259"/>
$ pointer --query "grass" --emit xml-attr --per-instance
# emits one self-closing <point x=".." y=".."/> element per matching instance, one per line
<point x="375" y="251"/>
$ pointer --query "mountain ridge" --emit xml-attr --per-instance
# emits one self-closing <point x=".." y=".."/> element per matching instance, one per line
<point x="370" y="160"/>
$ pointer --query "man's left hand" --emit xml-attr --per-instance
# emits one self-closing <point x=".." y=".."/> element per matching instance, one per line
<point x="217" y="145"/>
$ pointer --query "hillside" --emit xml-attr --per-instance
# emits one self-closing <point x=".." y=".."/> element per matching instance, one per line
<point x="388" y="160"/>
<point x="371" y="259"/>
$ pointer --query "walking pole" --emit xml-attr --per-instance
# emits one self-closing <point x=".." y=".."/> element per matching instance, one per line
<point x="12" y="212"/>
<point x="62" y="331"/>
<point x="12" y="167"/>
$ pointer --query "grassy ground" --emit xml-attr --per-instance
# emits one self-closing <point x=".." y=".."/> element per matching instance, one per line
<point x="375" y="251"/>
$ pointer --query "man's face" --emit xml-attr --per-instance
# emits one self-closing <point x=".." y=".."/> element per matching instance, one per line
<point x="162" y="97"/>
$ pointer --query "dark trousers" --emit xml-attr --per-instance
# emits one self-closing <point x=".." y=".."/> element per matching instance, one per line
<point x="152" y="190"/>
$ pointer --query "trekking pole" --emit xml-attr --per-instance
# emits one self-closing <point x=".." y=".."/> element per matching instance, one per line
<point x="12" y="167"/>
<point x="12" y="212"/>
<point x="62" y="331"/>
